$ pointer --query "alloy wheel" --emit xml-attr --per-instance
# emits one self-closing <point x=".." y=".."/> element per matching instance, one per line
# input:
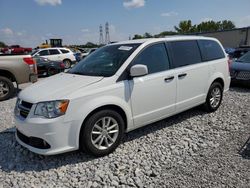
<point x="104" y="133"/>
<point x="215" y="97"/>
<point x="4" y="89"/>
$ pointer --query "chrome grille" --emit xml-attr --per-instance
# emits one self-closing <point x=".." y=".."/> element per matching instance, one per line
<point x="243" y="75"/>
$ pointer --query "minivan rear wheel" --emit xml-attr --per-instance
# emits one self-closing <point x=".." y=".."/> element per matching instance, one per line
<point x="102" y="132"/>
<point x="214" y="97"/>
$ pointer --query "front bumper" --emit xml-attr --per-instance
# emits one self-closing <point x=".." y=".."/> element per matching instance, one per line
<point x="47" y="136"/>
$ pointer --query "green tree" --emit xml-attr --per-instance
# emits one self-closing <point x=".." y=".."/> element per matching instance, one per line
<point x="184" y="27"/>
<point x="147" y="35"/>
<point x="136" y="36"/>
<point x="226" y="24"/>
<point x="2" y="45"/>
<point x="165" y="33"/>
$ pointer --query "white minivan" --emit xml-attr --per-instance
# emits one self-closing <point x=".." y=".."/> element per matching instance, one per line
<point x="118" y="88"/>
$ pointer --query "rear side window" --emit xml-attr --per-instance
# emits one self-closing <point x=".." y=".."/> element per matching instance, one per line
<point x="43" y="52"/>
<point x="64" y="51"/>
<point x="54" y="52"/>
<point x="154" y="57"/>
<point x="185" y="53"/>
<point x="210" y="50"/>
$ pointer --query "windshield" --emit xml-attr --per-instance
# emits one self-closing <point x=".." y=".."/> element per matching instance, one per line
<point x="105" y="61"/>
<point x="33" y="52"/>
<point x="245" y="58"/>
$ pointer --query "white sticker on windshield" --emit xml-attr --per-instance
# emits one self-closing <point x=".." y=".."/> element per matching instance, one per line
<point x="126" y="48"/>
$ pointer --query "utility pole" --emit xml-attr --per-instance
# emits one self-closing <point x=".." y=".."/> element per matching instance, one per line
<point x="101" y="35"/>
<point x="107" y="38"/>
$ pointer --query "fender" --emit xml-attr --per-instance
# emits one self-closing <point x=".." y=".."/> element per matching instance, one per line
<point x="85" y="107"/>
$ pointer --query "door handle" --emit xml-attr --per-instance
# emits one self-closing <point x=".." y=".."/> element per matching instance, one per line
<point x="182" y="75"/>
<point x="169" y="79"/>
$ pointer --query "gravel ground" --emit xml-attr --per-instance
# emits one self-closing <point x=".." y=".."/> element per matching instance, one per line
<point x="192" y="149"/>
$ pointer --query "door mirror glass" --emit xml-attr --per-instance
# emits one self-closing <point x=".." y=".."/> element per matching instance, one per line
<point x="138" y="70"/>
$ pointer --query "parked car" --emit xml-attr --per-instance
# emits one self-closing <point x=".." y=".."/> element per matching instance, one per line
<point x="47" y="67"/>
<point x="15" y="68"/>
<point x="16" y="49"/>
<point x="238" y="52"/>
<point x="57" y="54"/>
<point x="119" y="88"/>
<point x="240" y="70"/>
<point x="89" y="51"/>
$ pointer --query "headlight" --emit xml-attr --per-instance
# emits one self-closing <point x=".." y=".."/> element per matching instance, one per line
<point x="52" y="109"/>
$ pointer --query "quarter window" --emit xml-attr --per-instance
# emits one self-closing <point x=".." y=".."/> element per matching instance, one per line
<point x="54" y="52"/>
<point x="185" y="53"/>
<point x="210" y="50"/>
<point x="154" y="57"/>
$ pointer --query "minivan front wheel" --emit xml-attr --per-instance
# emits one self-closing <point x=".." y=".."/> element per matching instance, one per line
<point x="102" y="132"/>
<point x="214" y="97"/>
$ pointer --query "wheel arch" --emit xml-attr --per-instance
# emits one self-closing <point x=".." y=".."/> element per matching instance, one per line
<point x="114" y="107"/>
<point x="218" y="77"/>
<point x="8" y="74"/>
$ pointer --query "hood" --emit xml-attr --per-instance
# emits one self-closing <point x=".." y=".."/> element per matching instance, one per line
<point x="56" y="87"/>
<point x="238" y="66"/>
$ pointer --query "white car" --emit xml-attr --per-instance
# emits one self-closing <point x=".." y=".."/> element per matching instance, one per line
<point x="119" y="88"/>
<point x="57" y="54"/>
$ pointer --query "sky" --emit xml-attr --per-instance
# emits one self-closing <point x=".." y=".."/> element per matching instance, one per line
<point x="30" y="22"/>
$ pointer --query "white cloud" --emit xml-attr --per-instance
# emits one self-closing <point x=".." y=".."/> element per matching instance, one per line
<point x="243" y="22"/>
<point x="134" y="3"/>
<point x="7" y="31"/>
<point x="49" y="2"/>
<point x="85" y="30"/>
<point x="169" y="14"/>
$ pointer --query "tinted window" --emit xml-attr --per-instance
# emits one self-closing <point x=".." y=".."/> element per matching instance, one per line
<point x="64" y="51"/>
<point x="185" y="53"/>
<point x="43" y="52"/>
<point x="210" y="50"/>
<point x="154" y="57"/>
<point x="54" y="52"/>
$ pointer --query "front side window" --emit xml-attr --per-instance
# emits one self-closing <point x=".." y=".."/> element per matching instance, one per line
<point x="105" y="61"/>
<point x="210" y="50"/>
<point x="185" y="53"/>
<point x="54" y="52"/>
<point x="43" y="53"/>
<point x="154" y="57"/>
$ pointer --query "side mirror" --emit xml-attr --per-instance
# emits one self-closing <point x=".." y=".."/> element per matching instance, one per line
<point x="138" y="70"/>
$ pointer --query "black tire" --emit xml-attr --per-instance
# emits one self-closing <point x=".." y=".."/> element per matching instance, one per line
<point x="67" y="63"/>
<point x="6" y="88"/>
<point x="208" y="105"/>
<point x="51" y="71"/>
<point x="86" y="137"/>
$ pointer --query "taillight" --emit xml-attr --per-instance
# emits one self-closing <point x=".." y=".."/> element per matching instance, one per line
<point x="229" y="61"/>
<point x="31" y="63"/>
<point x="62" y="65"/>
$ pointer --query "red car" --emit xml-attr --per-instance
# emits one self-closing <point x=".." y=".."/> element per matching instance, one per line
<point x="16" y="49"/>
